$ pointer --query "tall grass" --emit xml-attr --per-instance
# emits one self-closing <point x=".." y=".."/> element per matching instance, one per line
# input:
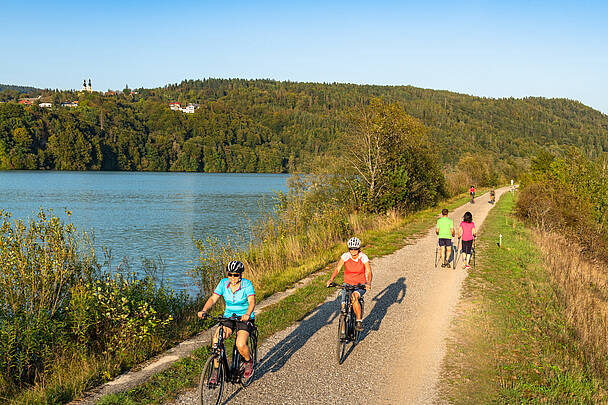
<point x="304" y="226"/>
<point x="582" y="287"/>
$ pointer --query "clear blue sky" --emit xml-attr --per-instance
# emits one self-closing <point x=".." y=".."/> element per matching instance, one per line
<point x="494" y="49"/>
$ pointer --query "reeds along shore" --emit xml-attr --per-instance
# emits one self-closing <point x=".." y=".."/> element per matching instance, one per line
<point x="288" y="245"/>
<point x="582" y="286"/>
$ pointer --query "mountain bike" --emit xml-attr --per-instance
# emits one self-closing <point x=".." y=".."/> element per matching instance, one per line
<point x="346" y="324"/>
<point x="211" y="392"/>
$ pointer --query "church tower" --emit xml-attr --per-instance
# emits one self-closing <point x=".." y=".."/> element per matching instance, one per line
<point x="90" y="89"/>
<point x="84" y="85"/>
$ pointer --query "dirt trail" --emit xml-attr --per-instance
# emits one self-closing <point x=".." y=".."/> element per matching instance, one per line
<point x="398" y="361"/>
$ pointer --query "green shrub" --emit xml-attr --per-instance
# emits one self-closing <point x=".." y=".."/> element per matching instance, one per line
<point x="56" y="304"/>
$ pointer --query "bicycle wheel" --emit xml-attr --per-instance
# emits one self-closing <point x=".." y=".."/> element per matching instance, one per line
<point x="253" y="350"/>
<point x="211" y="393"/>
<point x="341" y="347"/>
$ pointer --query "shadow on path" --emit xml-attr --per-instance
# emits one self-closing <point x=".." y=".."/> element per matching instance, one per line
<point x="276" y="358"/>
<point x="393" y="293"/>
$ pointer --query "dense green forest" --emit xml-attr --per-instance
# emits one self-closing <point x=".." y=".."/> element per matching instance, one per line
<point x="19" y="89"/>
<point x="270" y="126"/>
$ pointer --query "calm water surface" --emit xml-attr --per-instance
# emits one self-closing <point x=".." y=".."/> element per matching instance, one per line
<point x="144" y="215"/>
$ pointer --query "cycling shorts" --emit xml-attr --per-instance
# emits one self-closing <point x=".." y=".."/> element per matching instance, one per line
<point x="445" y="242"/>
<point x="467" y="246"/>
<point x="361" y="292"/>
<point x="238" y="325"/>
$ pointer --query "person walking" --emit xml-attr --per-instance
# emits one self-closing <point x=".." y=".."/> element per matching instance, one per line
<point x="467" y="232"/>
<point x="445" y="232"/>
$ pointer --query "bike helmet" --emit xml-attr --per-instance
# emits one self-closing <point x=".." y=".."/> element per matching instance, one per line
<point x="235" y="267"/>
<point x="354" y="243"/>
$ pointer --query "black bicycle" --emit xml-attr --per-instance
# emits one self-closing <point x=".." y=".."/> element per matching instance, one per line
<point x="346" y="324"/>
<point x="210" y="390"/>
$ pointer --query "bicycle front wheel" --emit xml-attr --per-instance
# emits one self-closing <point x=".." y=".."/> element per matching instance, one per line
<point x="210" y="392"/>
<point x="341" y="347"/>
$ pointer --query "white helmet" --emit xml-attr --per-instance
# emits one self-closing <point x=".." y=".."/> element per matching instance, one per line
<point x="354" y="243"/>
<point x="235" y="267"/>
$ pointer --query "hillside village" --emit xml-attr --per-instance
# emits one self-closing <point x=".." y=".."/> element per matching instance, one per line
<point x="46" y="101"/>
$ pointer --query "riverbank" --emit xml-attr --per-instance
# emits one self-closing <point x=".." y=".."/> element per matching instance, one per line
<point x="184" y="373"/>
<point x="512" y="341"/>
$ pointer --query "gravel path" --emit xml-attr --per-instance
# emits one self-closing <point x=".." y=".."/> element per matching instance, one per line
<point x="398" y="360"/>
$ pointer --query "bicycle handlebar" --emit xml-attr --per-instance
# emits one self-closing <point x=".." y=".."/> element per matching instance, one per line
<point x="234" y="317"/>
<point x="347" y="286"/>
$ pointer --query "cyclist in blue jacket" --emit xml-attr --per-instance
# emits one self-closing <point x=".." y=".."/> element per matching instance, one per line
<point x="239" y="296"/>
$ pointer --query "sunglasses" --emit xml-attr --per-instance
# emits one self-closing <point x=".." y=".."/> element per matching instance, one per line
<point x="234" y="274"/>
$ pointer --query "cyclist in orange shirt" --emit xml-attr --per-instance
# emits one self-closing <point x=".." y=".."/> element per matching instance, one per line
<point x="356" y="271"/>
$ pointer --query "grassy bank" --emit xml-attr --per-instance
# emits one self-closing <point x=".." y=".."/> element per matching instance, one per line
<point x="184" y="373"/>
<point x="512" y="342"/>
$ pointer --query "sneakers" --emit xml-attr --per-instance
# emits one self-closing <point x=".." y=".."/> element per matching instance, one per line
<point x="248" y="369"/>
<point x="467" y="267"/>
<point x="214" y="373"/>
<point x="445" y="264"/>
<point x="359" y="325"/>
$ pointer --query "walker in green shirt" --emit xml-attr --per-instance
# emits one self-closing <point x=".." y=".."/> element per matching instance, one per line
<point x="445" y="226"/>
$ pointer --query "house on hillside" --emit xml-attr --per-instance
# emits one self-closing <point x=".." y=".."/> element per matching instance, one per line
<point x="45" y="105"/>
<point x="190" y="108"/>
<point x="28" y="100"/>
<point x="70" y="104"/>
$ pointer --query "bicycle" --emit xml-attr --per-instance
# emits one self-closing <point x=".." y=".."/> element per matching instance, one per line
<point x="211" y="392"/>
<point x="346" y="324"/>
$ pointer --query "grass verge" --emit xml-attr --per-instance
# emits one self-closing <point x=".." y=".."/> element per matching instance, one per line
<point x="184" y="373"/>
<point x="510" y="340"/>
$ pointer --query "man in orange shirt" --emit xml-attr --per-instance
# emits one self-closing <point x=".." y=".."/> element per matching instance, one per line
<point x="356" y="271"/>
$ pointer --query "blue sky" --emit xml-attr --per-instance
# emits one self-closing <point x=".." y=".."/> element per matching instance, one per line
<point x="492" y="49"/>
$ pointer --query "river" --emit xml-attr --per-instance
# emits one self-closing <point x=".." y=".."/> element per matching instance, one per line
<point x="145" y="215"/>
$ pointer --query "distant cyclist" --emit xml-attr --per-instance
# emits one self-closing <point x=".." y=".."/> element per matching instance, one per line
<point x="472" y="194"/>
<point x="239" y="297"/>
<point x="467" y="232"/>
<point x="356" y="271"/>
<point x="445" y="232"/>
<point x="492" y="196"/>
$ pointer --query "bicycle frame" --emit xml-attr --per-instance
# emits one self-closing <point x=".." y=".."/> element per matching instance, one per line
<point x="231" y="371"/>
<point x="348" y="311"/>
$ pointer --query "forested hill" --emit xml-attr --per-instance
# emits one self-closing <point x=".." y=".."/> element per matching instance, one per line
<point x="268" y="126"/>
<point x="18" y="89"/>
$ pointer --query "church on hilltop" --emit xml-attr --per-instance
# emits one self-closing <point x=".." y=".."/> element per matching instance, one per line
<point x="85" y="87"/>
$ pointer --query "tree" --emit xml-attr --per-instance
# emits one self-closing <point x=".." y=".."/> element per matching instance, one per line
<point x="378" y="147"/>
